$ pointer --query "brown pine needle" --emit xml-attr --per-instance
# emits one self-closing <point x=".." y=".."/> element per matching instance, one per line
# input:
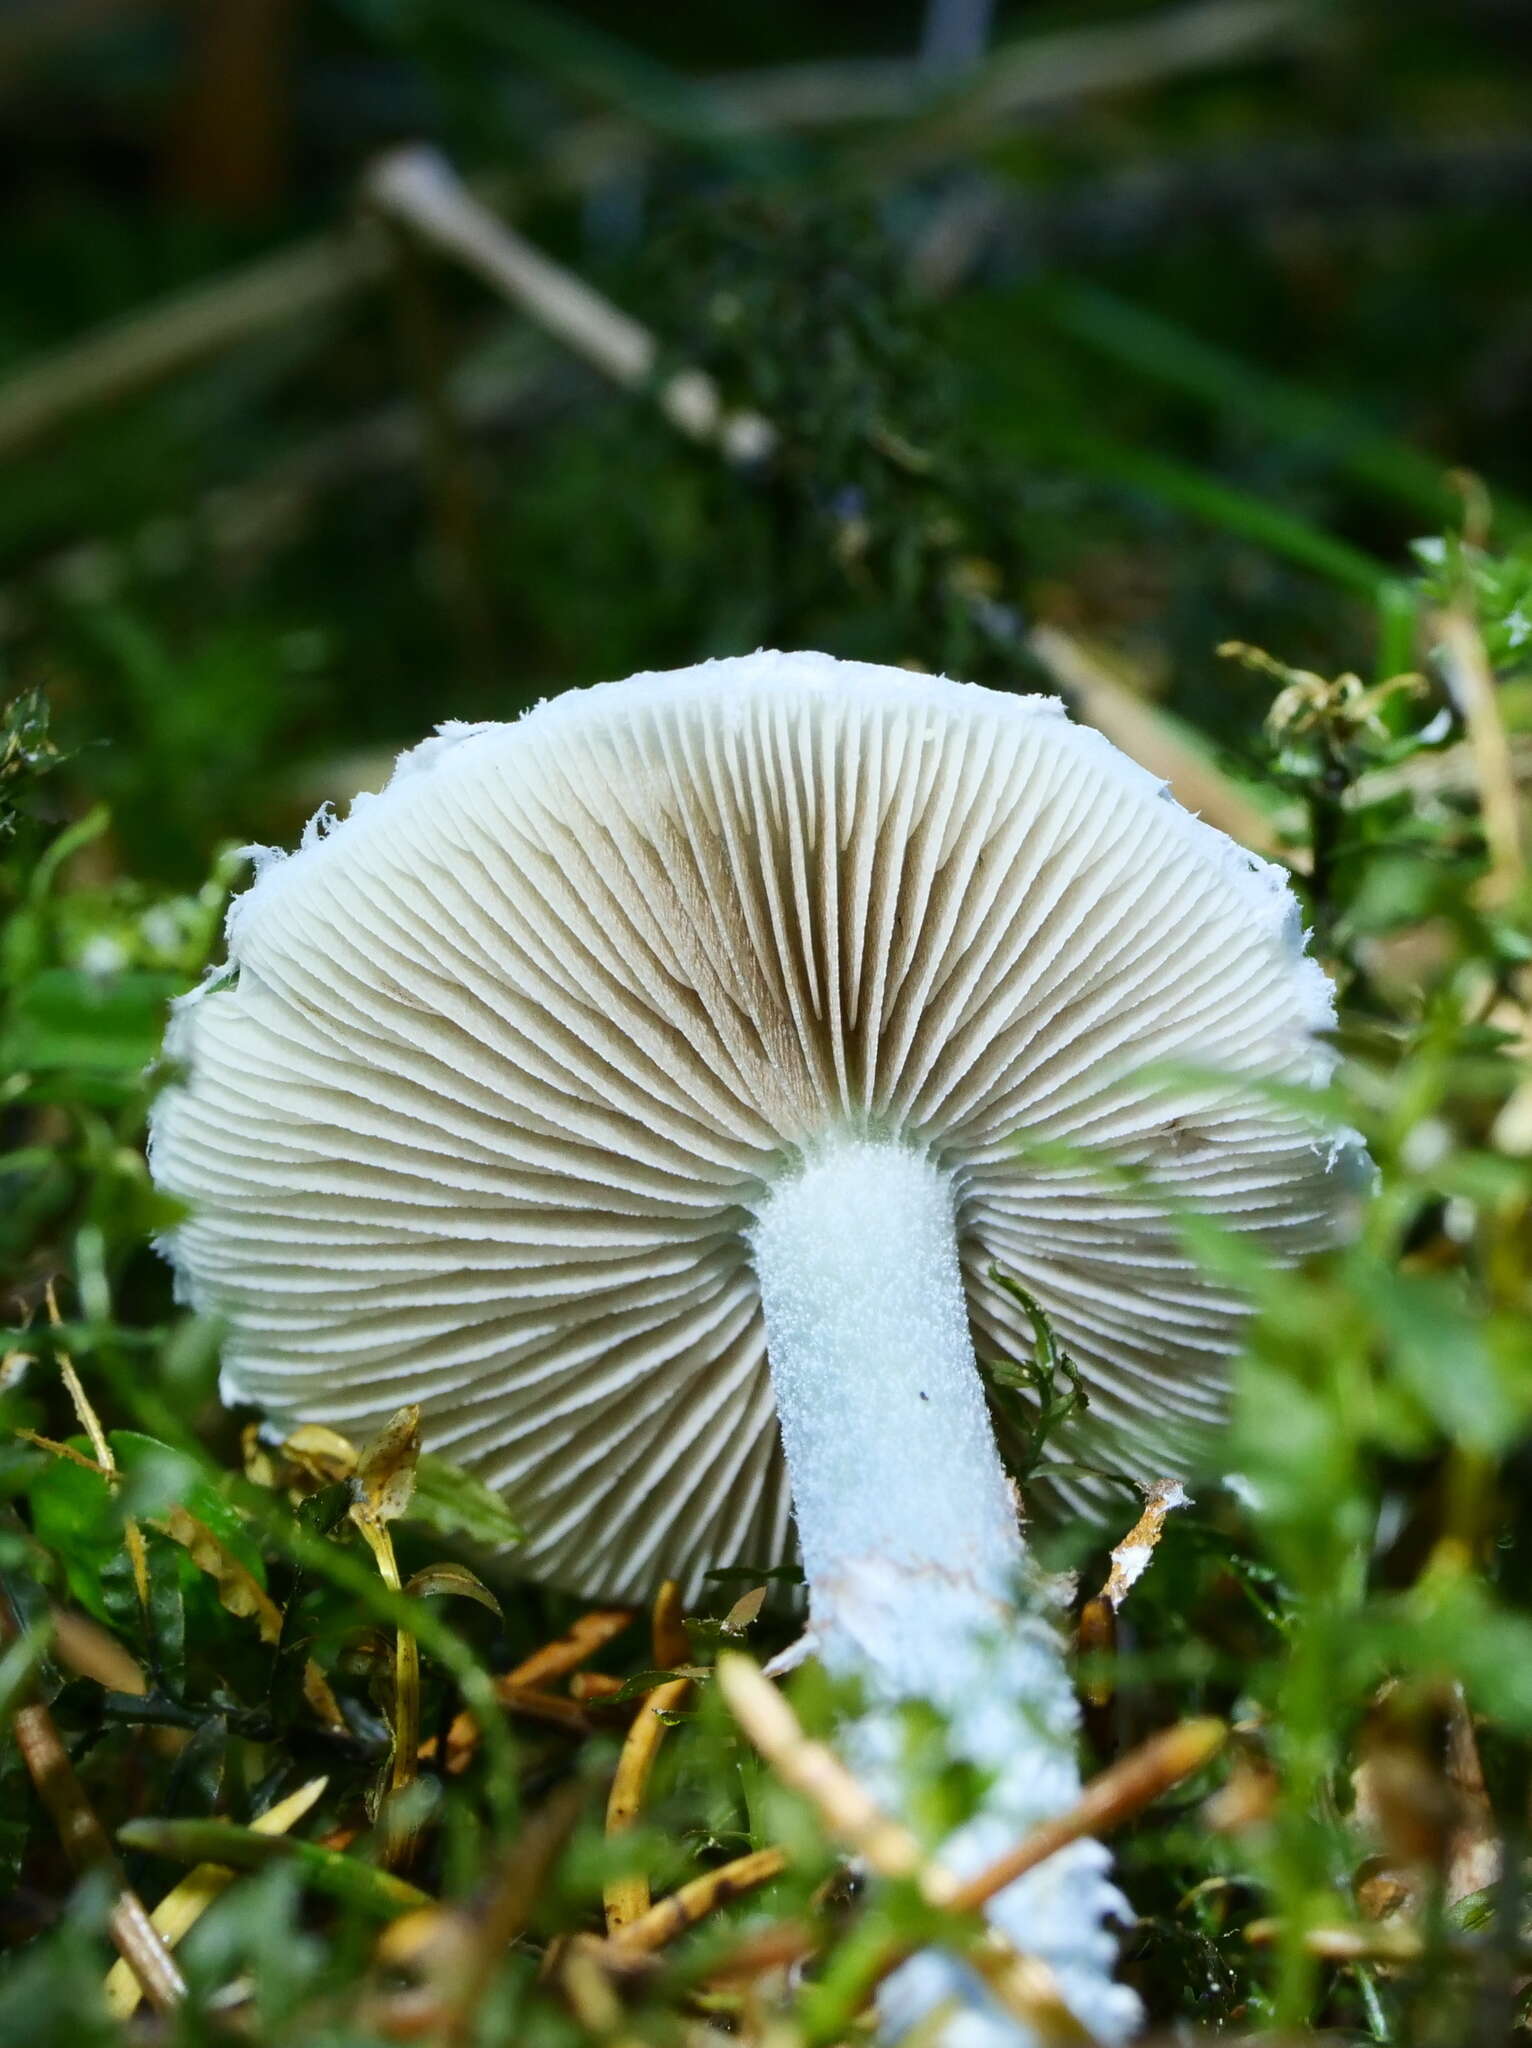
<point x="627" y="1898"/>
<point x="668" y="1641"/>
<point x="566" y="1653"/>
<point x="1113" y="1797"/>
<point x="545" y="1706"/>
<point x="527" y="1701"/>
<point x="693" y="1901"/>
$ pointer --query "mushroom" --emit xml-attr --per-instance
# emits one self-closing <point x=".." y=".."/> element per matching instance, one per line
<point x="659" y="1089"/>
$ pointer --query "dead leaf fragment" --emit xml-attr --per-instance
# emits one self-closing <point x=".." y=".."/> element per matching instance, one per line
<point x="1131" y="1558"/>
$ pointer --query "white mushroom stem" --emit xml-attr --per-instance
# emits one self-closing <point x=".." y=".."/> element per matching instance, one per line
<point x="914" y="1556"/>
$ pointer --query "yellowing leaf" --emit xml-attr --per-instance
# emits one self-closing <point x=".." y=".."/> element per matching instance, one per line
<point x="385" y="1471"/>
<point x="238" y="1589"/>
<point x="257" y="1456"/>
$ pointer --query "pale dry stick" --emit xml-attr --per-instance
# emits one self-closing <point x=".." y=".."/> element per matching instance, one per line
<point x="1471" y="685"/>
<point x="627" y="1898"/>
<point x="1133" y="724"/>
<point x="1026" y="77"/>
<point x="418" y="188"/>
<point x="86" y="1843"/>
<point x="183" y="1906"/>
<point x="174" y="334"/>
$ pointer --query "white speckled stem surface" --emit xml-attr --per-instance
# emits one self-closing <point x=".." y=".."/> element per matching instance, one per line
<point x="915" y="1560"/>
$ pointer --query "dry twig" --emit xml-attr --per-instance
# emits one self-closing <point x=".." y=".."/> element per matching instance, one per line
<point x="418" y="188"/>
<point x="523" y="1690"/>
<point x="1115" y="1796"/>
<point x="693" y="1901"/>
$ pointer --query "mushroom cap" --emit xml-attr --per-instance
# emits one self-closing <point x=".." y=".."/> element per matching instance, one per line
<point x="479" y="1114"/>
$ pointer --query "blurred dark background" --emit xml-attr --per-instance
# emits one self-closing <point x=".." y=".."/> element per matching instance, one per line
<point x="1145" y="325"/>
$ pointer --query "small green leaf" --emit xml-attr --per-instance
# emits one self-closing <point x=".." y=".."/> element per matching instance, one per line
<point x="453" y="1503"/>
<point x="65" y="1018"/>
